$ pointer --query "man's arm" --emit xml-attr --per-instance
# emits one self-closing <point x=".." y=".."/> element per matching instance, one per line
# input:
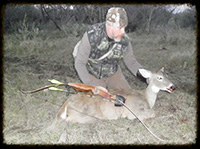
<point x="81" y="60"/>
<point x="131" y="61"/>
<point x="132" y="64"/>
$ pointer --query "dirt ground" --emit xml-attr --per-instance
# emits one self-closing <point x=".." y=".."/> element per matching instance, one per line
<point x="30" y="118"/>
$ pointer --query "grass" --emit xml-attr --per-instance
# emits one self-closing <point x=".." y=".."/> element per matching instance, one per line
<point x="30" y="119"/>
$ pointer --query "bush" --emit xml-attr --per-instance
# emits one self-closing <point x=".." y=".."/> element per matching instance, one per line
<point x="186" y="19"/>
<point x="14" y="14"/>
<point x="28" y="31"/>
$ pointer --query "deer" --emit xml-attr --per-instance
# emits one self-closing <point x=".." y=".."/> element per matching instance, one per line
<point x="86" y="108"/>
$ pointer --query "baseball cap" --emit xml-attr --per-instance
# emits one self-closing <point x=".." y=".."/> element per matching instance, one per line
<point x="116" y="16"/>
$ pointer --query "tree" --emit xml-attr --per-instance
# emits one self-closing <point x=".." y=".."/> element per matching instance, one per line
<point x="186" y="18"/>
<point x="15" y="13"/>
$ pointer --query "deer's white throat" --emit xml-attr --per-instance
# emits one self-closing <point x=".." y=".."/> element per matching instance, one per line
<point x="151" y="94"/>
<point x="155" y="89"/>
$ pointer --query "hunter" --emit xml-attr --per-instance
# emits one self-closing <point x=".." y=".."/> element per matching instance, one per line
<point x="102" y="47"/>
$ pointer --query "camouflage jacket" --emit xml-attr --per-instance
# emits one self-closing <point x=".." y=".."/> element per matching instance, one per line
<point x="101" y="45"/>
<point x="84" y="51"/>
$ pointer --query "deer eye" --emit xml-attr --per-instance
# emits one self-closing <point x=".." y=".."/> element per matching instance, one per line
<point x="159" y="78"/>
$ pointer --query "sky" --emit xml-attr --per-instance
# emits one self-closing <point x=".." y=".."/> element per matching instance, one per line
<point x="179" y="8"/>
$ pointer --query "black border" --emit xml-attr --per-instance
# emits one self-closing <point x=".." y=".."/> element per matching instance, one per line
<point x="85" y="2"/>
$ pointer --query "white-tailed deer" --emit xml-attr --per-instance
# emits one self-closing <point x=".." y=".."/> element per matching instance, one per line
<point x="85" y="108"/>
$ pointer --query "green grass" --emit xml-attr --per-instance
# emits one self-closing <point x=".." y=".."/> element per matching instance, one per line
<point x="30" y="119"/>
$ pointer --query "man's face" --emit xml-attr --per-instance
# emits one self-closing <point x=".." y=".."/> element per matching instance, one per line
<point x="116" y="33"/>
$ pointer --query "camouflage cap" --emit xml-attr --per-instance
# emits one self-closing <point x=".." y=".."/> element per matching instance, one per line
<point x="117" y="17"/>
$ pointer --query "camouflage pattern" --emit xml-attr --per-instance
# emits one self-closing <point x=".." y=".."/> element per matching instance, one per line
<point x="100" y="45"/>
<point x="117" y="17"/>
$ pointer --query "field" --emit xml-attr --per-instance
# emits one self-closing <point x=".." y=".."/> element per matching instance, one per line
<point x="30" y="118"/>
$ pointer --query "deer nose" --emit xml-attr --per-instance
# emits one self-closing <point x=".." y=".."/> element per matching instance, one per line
<point x="173" y="87"/>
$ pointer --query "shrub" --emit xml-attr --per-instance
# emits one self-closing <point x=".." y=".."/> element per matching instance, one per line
<point x="28" y="31"/>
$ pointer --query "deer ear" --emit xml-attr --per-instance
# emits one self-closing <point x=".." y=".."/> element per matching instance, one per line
<point x="145" y="73"/>
<point x="162" y="69"/>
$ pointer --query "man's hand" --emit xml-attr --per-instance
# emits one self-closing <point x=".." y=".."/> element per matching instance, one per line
<point x="96" y="90"/>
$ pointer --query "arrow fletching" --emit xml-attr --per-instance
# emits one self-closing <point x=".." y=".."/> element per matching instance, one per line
<point x="55" y="89"/>
<point x="53" y="81"/>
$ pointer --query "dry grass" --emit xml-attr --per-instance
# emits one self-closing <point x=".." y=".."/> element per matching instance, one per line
<point x="30" y="119"/>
